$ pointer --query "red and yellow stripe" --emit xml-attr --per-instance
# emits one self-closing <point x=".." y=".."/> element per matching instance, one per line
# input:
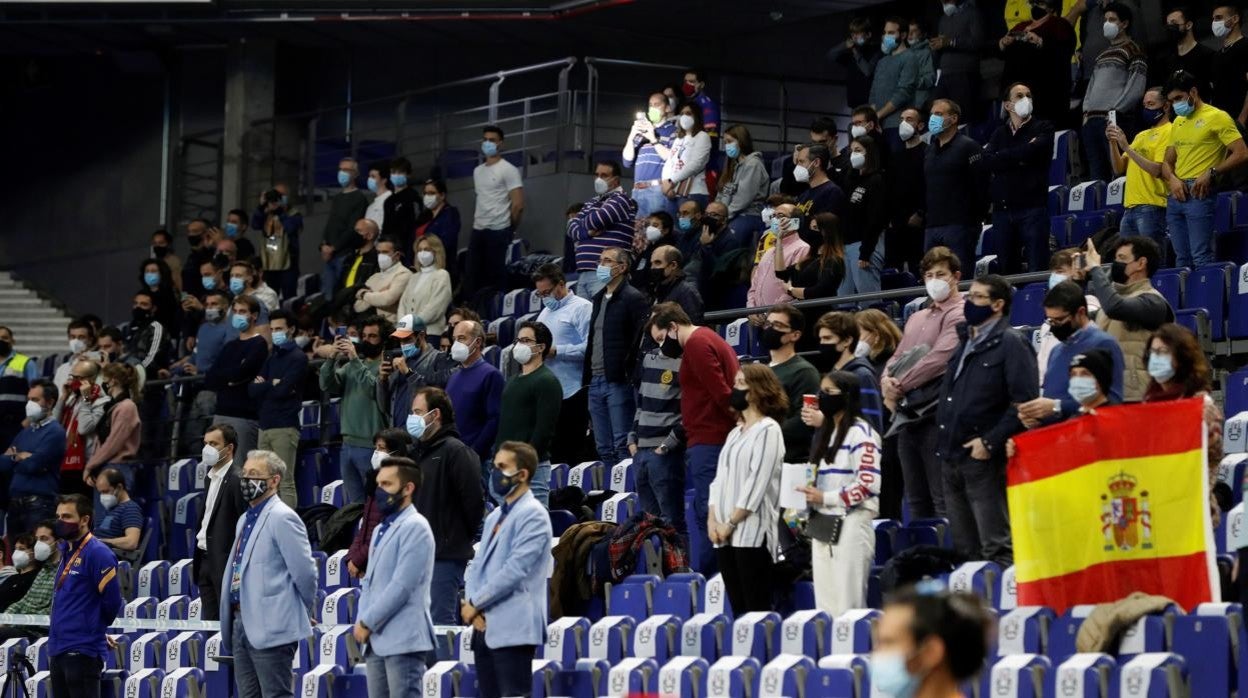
<point x="1059" y="490"/>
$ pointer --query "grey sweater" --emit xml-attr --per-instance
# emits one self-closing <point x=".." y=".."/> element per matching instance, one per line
<point x="747" y="191"/>
<point x="896" y="80"/>
<point x="1118" y="80"/>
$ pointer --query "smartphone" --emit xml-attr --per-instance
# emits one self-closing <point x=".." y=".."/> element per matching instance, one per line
<point x="340" y="331"/>
<point x="639" y="115"/>
<point x="1113" y="117"/>
<point x="1081" y="261"/>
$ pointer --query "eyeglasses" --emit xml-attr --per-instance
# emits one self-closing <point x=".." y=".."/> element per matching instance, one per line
<point x="527" y="341"/>
<point x="1064" y="320"/>
<point x="979" y="297"/>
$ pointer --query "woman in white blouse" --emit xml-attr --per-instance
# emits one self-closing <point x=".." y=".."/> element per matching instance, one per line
<point x="428" y="292"/>
<point x="684" y="173"/>
<point x="847" y="487"/>
<point x="743" y="505"/>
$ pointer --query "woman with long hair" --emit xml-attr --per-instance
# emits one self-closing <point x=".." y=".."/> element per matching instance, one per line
<point x="684" y="173"/>
<point x="866" y="217"/>
<point x="743" y="513"/>
<point x="744" y="184"/>
<point x="1178" y="369"/>
<point x="120" y="428"/>
<point x="387" y="443"/>
<point x="821" y="273"/>
<point x="156" y="278"/>
<point x="439" y="218"/>
<point x="428" y="292"/>
<point x="879" y="335"/>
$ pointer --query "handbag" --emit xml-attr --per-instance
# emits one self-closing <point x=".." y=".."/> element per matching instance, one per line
<point x="825" y="528"/>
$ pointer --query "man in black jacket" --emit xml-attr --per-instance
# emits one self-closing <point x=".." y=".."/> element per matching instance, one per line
<point x="450" y="496"/>
<point x="668" y="282"/>
<point x="992" y="370"/>
<point x="953" y="185"/>
<point x="615" y="325"/>
<point x="222" y="506"/>
<point x="361" y="264"/>
<point x="345" y="208"/>
<point x="1018" y="157"/>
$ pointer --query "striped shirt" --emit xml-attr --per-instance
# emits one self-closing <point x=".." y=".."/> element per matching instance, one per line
<point x="657" y="421"/>
<point x="649" y="164"/>
<point x="611" y="216"/>
<point x="38" y="598"/>
<point x="748" y="477"/>
<point x="852" y="479"/>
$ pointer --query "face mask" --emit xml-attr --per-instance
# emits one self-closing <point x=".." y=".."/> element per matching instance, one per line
<point x="237" y="285"/>
<point x="689" y="89"/>
<point x="857" y="131"/>
<point x="1183" y="107"/>
<point x="732" y="150"/>
<point x="67" y="530"/>
<point x="857" y="160"/>
<point x="410" y="351"/>
<point x="344" y="178"/>
<point x="772" y="339"/>
<point x="522" y="353"/>
<point x="503" y="485"/>
<point x="34" y="411"/>
<point x="416" y="426"/>
<point x="1023" y="107"/>
<point x="460" y="352"/>
<point x="108" y="501"/>
<point x="831" y="405"/>
<point x="1176" y="32"/>
<point x="1062" y="332"/>
<point x="654" y="114"/>
<point x="671" y="347"/>
<point x="279" y="338"/>
<point x="386" y="502"/>
<point x="888" y="671"/>
<point x="1110" y="30"/>
<point x="653" y="233"/>
<point x="938" y="289"/>
<point x="139" y="316"/>
<point x="208" y="282"/>
<point x="1220" y="29"/>
<point x="603" y="273"/>
<point x="238" y="322"/>
<point x="1038" y="13"/>
<point x="686" y="122"/>
<point x="1082" y="388"/>
<point x="550" y="303"/>
<point x="384" y="261"/>
<point x="160" y="252"/>
<point x="1151" y="116"/>
<point x="253" y="488"/>
<point x="368" y="350"/>
<point x="801" y="173"/>
<point x="684" y="223"/>
<point x="860" y="40"/>
<point x="425" y="257"/>
<point x="372" y="185"/>
<point x="378" y="457"/>
<point x="1160" y="367"/>
<point x="976" y="315"/>
<point x="43" y="551"/>
<point x="738" y="400"/>
<point x="862" y="349"/>
<point x="302" y="341"/>
<point x="656" y="276"/>
<point x="212" y="314"/>
<point x="767" y="214"/>
<point x="21" y="559"/>
<point x="5" y="348"/>
<point x="830" y="354"/>
<point x="1055" y="279"/>
<point x="935" y="124"/>
<point x="151" y="278"/>
<point x="210" y="455"/>
<point x="398" y="180"/>
<point x="887" y="43"/>
<point x="489" y="148"/>
<point x="949" y="9"/>
<point x="285" y="200"/>
<point x="77" y="346"/>
<point x="600" y="186"/>
<point x="905" y="131"/>
<point x="430" y="201"/>
<point x="1118" y="272"/>
<point x="231" y="230"/>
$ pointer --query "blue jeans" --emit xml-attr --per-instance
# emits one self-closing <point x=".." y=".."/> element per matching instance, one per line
<point x="487" y="260"/>
<point x="611" y="417"/>
<point x="261" y="673"/>
<point x="857" y="279"/>
<point x="1024" y="227"/>
<point x="661" y="484"/>
<point x="748" y="227"/>
<point x="355" y="463"/>
<point x="588" y="285"/>
<point x="1097" y="149"/>
<point x="1190" y="224"/>
<point x="444" y="588"/>
<point x="503" y="671"/>
<point x="703" y="460"/>
<point x="1145" y="219"/>
<point x="396" y="675"/>
<point x="331" y="274"/>
<point x="960" y="239"/>
<point x="651" y="200"/>
<point x="540" y="487"/>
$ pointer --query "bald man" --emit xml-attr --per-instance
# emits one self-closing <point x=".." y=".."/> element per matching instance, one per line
<point x="361" y="264"/>
<point x="668" y="282"/>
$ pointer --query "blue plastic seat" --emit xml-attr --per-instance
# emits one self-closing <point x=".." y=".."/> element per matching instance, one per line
<point x="545" y="678"/>
<point x="1237" y="308"/>
<point x="337" y="646"/>
<point x="739" y="336"/>
<point x="173" y="608"/>
<point x="733" y="676"/>
<point x="1170" y="283"/>
<point x="611" y="638"/>
<point x="1086" y="224"/>
<point x="1115" y="192"/>
<point x="1087" y="196"/>
<point x="1008" y="599"/>
<point x="504" y="328"/>
<point x="633" y="596"/>
<point x="340" y="606"/>
<point x="619" y="508"/>
<point x="716" y="597"/>
<point x="706" y="635"/>
<point x="144" y="683"/>
<point x="657" y="637"/>
<point x="186" y="649"/>
<point x="1197" y="321"/>
<point x="680" y="595"/>
<point x="1088" y="675"/>
<point x="1028" y="305"/>
<point x="806" y="633"/>
<point x="1024" y="630"/>
<point x="1207" y="287"/>
<point x="1208" y="640"/>
<point x="1237" y="392"/>
<point x="180" y="479"/>
<point x="217" y="676"/>
<point x="309" y="423"/>
<point x="757" y="634"/>
<point x="333" y="494"/>
<point x="587" y="475"/>
<point x="1226" y="211"/>
<point x="141" y="607"/>
<point x="853" y="630"/>
<point x="683" y="676"/>
<point x="982" y="579"/>
<point x="335" y="574"/>
<point x="585" y="677"/>
<point x="185" y="525"/>
<point x="147" y="650"/>
<point x="153" y="579"/>
<point x="633" y="676"/>
<point x="1063" y="148"/>
<point x="1058" y="194"/>
<point x="786" y="675"/>
<point x="561" y="520"/>
<point x="516" y="302"/>
<point x="322" y="681"/>
<point x="558" y="475"/>
<point x="567" y="640"/>
<point x="622" y="477"/>
<point x="840" y="675"/>
<point x="1154" y="675"/>
<point x="1017" y="676"/>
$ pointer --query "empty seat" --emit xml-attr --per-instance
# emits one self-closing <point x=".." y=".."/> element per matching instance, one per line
<point x="545" y="677"/>
<point x="516" y="302"/>
<point x="181" y="578"/>
<point x="1169" y="283"/>
<point x="840" y="675"/>
<point x="141" y="607"/>
<point x="1153" y="674"/>
<point x="1085" y="225"/>
<point x="1237" y="307"/>
<point x="982" y="579"/>
<point x="320" y="681"/>
<point x="1207" y="287"/>
<point x="586" y="677"/>
<point x="683" y="676"/>
<point x="1197" y="320"/>
<point x="738" y="335"/>
<point x="633" y="596"/>
<point x="144" y="683"/>
<point x="146" y="650"/>
<point x="611" y="638"/>
<point x="619" y="508"/>
<point x="339" y="606"/>
<point x="566" y="640"/>
<point x="716" y="599"/>
<point x="153" y="579"/>
<point x="1064" y="149"/>
<point x="216" y="675"/>
<point x="785" y="675"/>
<point x="1058" y="197"/>
<point x="633" y="676"/>
<point x="657" y="637"/>
<point x="806" y="633"/>
<point x="333" y="494"/>
<point x="705" y="635"/>
<point x="757" y="635"/>
<point x="561" y="520"/>
<point x="1087" y="196"/>
<point x="180" y="479"/>
<point x="183" y="682"/>
<point x="336" y="574"/>
<point x="853" y="630"/>
<point x="622" y="477"/>
<point x="558" y="476"/>
<point x="1024" y="630"/>
<point x="1208" y="640"/>
<point x="1028" y="305"/>
<point x="1018" y="676"/>
<point x="1009" y="590"/>
<point x="173" y="608"/>
<point x="1087" y="675"/>
<point x="680" y="595"/>
<point x="186" y="649"/>
<point x="1115" y="192"/>
<point x="338" y="646"/>
<point x="586" y="475"/>
<point x="185" y="525"/>
<point x="1226" y="211"/>
<point x="504" y="328"/>
<point x="733" y="676"/>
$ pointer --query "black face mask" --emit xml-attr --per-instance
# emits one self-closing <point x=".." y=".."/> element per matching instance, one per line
<point x="814" y="238"/>
<point x="6" y="348"/>
<point x="1118" y="272"/>
<point x="1176" y="32"/>
<point x="1038" y="13"/>
<point x="656" y="276"/>
<point x="220" y="261"/>
<point x="737" y="400"/>
<point x="671" y="347"/>
<point x="830" y="353"/>
<point x="160" y="252"/>
<point x="195" y="241"/>
<point x="1062" y="332"/>
<point x="139" y="316"/>
<point x="772" y="338"/>
<point x="368" y="350"/>
<point x="831" y="405"/>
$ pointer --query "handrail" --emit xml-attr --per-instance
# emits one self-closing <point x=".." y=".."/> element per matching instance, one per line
<point x="717" y="316"/>
<point x="735" y="74"/>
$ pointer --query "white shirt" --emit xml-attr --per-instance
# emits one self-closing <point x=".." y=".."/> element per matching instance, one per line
<point x="748" y="477"/>
<point x="376" y="211"/>
<point x="215" y="475"/>
<point x="493" y="184"/>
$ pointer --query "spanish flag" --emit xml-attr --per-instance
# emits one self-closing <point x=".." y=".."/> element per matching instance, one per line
<point x="1106" y="504"/>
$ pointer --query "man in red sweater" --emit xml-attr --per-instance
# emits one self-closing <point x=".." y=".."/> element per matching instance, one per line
<point x="705" y="384"/>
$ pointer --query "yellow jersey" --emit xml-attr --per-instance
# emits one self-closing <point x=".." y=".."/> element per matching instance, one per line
<point x="1200" y="140"/>
<point x="1143" y="188"/>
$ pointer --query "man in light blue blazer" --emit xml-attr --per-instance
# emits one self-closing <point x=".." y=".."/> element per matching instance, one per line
<point x="506" y="583"/>
<point x="394" y="616"/>
<point x="269" y="586"/>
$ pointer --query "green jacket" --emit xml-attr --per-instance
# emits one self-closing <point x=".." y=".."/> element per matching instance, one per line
<point x="360" y="414"/>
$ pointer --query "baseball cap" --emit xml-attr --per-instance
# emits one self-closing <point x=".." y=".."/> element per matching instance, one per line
<point x="407" y="325"/>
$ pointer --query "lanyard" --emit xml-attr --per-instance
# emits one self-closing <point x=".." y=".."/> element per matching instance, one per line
<point x="70" y="562"/>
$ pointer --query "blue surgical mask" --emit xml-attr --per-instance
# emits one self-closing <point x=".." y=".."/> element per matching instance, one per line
<point x="1184" y="107"/>
<point x="1082" y="388"/>
<point x="151" y="278"/>
<point x="732" y="150"/>
<point x="231" y="230"/>
<point x="935" y="124"/>
<point x="501" y="484"/>
<point x="344" y="178"/>
<point x="398" y="180"/>
<point x="410" y="351"/>
<point x="208" y="282"/>
<point x="603" y="272"/>
<point x="1160" y="367"/>
<point x="1055" y="279"/>
<point x="416" y="426"/>
<point x="684" y="223"/>
<point x="237" y="285"/>
<point x="550" y="302"/>
<point x="238" y="322"/>
<point x="372" y="185"/>
<point x="489" y="148"/>
<point x="888" y="43"/>
<point x="212" y="314"/>
<point x="890" y="676"/>
<point x="279" y="338"/>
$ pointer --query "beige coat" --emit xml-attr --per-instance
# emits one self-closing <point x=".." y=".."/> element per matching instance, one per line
<point x="428" y="296"/>
<point x="383" y="290"/>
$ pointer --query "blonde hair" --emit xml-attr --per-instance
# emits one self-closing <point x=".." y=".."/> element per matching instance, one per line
<point x="887" y="335"/>
<point x="439" y="250"/>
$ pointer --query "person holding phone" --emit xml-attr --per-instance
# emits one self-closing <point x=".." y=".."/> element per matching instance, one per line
<point x="647" y="148"/>
<point x="1140" y="160"/>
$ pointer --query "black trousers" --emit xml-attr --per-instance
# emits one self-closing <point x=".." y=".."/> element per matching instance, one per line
<point x="75" y="675"/>
<point x="503" y="671"/>
<point x="209" y="594"/>
<point x="572" y="444"/>
<point x="747" y="577"/>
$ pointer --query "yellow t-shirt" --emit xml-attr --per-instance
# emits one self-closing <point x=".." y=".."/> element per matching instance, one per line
<point x="1143" y="188"/>
<point x="1020" y="11"/>
<point x="1200" y="140"/>
<point x="355" y="266"/>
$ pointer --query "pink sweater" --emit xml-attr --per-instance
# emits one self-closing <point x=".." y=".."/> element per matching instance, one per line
<point x="765" y="288"/>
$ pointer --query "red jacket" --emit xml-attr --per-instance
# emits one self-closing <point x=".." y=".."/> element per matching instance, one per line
<point x="707" y="370"/>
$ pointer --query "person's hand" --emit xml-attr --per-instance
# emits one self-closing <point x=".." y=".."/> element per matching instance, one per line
<point x="467" y="611"/>
<point x="812" y="417"/>
<point x="814" y="495"/>
<point x="163" y="373"/>
<point x="758" y="320"/>
<point x="632" y="449"/>
<point x="1037" y="409"/>
<point x="1177" y="188"/>
<point x="1028" y="422"/>
<point x="327" y="252"/>
<point x="594" y="233"/>
<point x="214" y="235"/>
<point x="1005" y="41"/>
<point x="1080" y="6"/>
<point x="1202" y="186"/>
<point x="1011" y="449"/>
<point x="706" y="237"/>
<point x="360" y="293"/>
<point x="478" y="624"/>
<point x="849" y="43"/>
<point x="938" y="42"/>
<point x="86" y="389"/>
<point x="360" y="632"/>
<point x="190" y="369"/>
<point x="712" y="530"/>
<point x="400" y="365"/>
<point x="864" y="264"/>
<point x="915" y="220"/>
<point x="1034" y="39"/>
<point x="11" y="451"/>
<point x="891" y="388"/>
<point x="88" y="478"/>
<point x="1115" y="135"/>
<point x="386" y="368"/>
<point x="346" y="347"/>
<point x="112" y="643"/>
<point x="978" y="450"/>
<point x="669" y="190"/>
<point x="325" y="350"/>
<point x="725" y="533"/>
<point x="1090" y="256"/>
<point x="259" y="379"/>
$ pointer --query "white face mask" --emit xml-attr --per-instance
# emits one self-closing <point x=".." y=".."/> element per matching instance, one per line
<point x="857" y="131"/>
<point x="430" y="200"/>
<point x="905" y="131"/>
<point x="385" y="261"/>
<point x="43" y="551"/>
<point x="600" y="186"/>
<point x="77" y="346"/>
<point x="862" y="349"/>
<point x="767" y="214"/>
<point x="21" y="559"/>
<point x="938" y="289"/>
<point x="378" y="457"/>
<point x="1220" y="29"/>
<point x="425" y="257"/>
<point x="1023" y="107"/>
<point x="108" y="501"/>
<point x="522" y="353"/>
<point x="801" y="173"/>
<point x="460" y="352"/>
<point x="1110" y="30"/>
<point x="653" y="233"/>
<point x="686" y="122"/>
<point x="34" y="411"/>
<point x="857" y="160"/>
<point x="210" y="455"/>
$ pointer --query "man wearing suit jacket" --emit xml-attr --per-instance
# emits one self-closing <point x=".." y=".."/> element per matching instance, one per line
<point x="394" y="601"/>
<point x="269" y="587"/>
<point x="222" y="507"/>
<point x="506" y="583"/>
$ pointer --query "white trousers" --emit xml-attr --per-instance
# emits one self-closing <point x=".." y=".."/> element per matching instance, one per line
<point x="841" y="571"/>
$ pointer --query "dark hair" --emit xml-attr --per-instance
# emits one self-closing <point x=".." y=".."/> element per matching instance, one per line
<point x="873" y="153"/>
<point x="860" y="24"/>
<point x="1124" y="13"/>
<point x="665" y="314"/>
<point x="526" y="456"/>
<point x="27" y="540"/>
<point x="745" y="141"/>
<point x="242" y="215"/>
<point x="614" y="165"/>
<point x="395" y="439"/>
<point x="1067" y="296"/>
<point x="92" y="319"/>
<point x="400" y="164"/>
<point x="953" y="106"/>
<point x="958" y="620"/>
<point x="1182" y="81"/>
<point x="541" y="334"/>
<point x="382" y="168"/>
<point x="868" y="111"/>
<point x="113" y="477"/>
<point x="437" y="399"/>
<point x="253" y="305"/>
<point x="840" y="323"/>
<point x="550" y="272"/>
<point x="438" y="184"/>
<point x="696" y="111"/>
<point x="408" y="471"/>
<point x="820" y="152"/>
<point x="1183" y="10"/>
<point x="281" y="315"/>
<point x="665" y="219"/>
<point x="769" y="396"/>
<point x="998" y="290"/>
<point x="1142" y="246"/>
<point x="81" y="324"/>
<point x="1064" y="257"/>
<point x="823" y="124"/>
<point x="81" y="505"/>
<point x="48" y="387"/>
<point x="166" y="275"/>
<point x="228" y="435"/>
<point x="215" y="292"/>
<point x="493" y="128"/>
<point x="831" y="433"/>
<point x="145" y="293"/>
<point x="49" y="524"/>
<point x="1191" y="367"/>
<point x="165" y="234"/>
<point x="383" y="325"/>
<point x="124" y="375"/>
<point x="921" y="23"/>
<point x="797" y="320"/>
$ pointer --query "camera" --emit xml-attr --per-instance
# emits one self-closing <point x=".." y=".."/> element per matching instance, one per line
<point x="712" y="225"/>
<point x="392" y="354"/>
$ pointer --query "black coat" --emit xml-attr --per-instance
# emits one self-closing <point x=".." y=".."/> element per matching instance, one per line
<point x="450" y="494"/>
<point x="229" y="506"/>
<point x="681" y="291"/>
<point x="627" y="311"/>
